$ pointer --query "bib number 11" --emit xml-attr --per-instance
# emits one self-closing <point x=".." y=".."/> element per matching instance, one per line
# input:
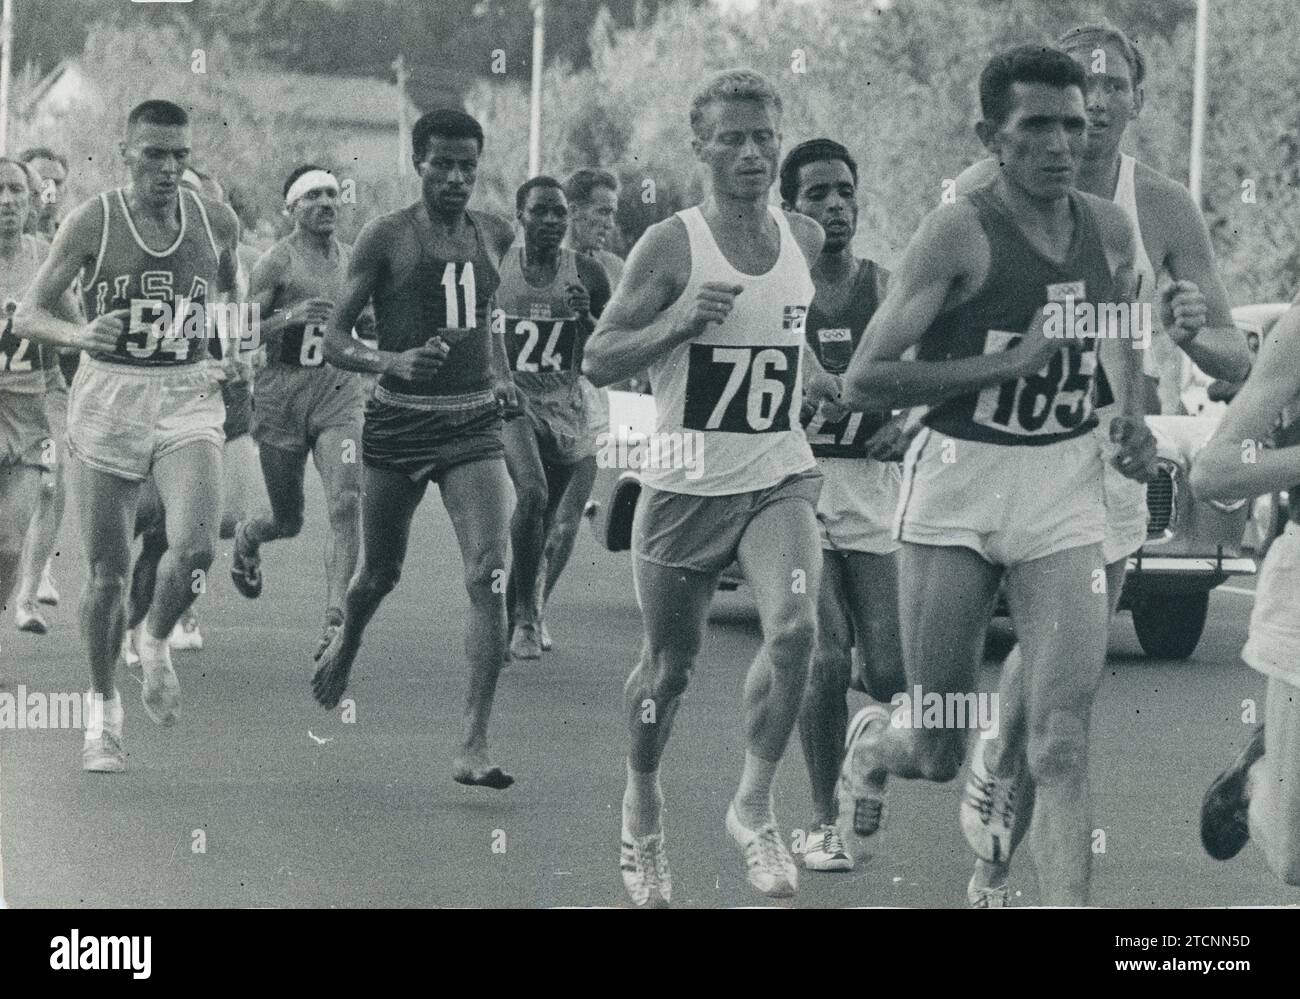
<point x="456" y="305"/>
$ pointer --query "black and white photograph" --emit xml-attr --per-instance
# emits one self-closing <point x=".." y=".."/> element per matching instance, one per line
<point x="644" y="454"/>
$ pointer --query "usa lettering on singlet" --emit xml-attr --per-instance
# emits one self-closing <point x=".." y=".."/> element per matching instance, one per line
<point x="302" y="345"/>
<point x="167" y="290"/>
<point x="833" y="338"/>
<point x="1055" y="403"/>
<point x="541" y="331"/>
<point x="738" y="385"/>
<point x="440" y="293"/>
<point x="22" y="363"/>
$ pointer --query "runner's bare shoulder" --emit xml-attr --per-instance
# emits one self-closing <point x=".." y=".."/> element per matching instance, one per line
<point x="498" y="233"/>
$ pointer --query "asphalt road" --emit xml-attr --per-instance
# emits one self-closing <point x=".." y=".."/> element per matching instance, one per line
<point x="294" y="807"/>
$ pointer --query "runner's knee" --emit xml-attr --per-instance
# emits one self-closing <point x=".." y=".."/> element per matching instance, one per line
<point x="1058" y="748"/>
<point x="531" y="496"/>
<point x="792" y="637"/>
<point x="196" y="554"/>
<point x="379" y="578"/>
<point x="345" y="504"/>
<point x="105" y="583"/>
<point x="671" y="672"/>
<point x="485" y="572"/>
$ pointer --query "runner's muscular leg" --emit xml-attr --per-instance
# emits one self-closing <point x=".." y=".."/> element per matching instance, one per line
<point x="477" y="498"/>
<point x="20" y="486"/>
<point x="284" y="472"/>
<point x="189" y="487"/>
<point x="780" y="554"/>
<point x="871" y="588"/>
<point x="1061" y="620"/>
<point x="567" y="520"/>
<point x="342" y="482"/>
<point x="388" y="502"/>
<point x="824" y="716"/>
<point x="946" y="596"/>
<point x="106" y="511"/>
<point x="674" y="606"/>
<point x="527" y="526"/>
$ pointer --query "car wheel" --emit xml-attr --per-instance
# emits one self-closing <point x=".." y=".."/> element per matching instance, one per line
<point x="1169" y="625"/>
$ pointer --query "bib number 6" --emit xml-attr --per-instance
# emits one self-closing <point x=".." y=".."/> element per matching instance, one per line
<point x="312" y="353"/>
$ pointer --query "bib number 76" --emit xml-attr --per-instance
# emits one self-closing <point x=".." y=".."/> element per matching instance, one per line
<point x="740" y="390"/>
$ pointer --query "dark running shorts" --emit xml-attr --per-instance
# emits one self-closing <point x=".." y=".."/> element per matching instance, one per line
<point x="425" y="444"/>
<point x="238" y="398"/>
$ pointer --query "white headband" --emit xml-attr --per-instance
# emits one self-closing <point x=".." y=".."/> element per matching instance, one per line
<point x="310" y="181"/>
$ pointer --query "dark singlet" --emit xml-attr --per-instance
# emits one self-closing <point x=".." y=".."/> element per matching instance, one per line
<point x="166" y="290"/>
<point x="1056" y="403"/>
<point x="441" y="293"/>
<point x="833" y="339"/>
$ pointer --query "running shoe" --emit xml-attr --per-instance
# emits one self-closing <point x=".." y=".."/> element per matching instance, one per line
<point x="824" y="850"/>
<point x="47" y="592"/>
<point x="161" y="690"/>
<point x="644" y="864"/>
<point x="101" y="748"/>
<point x="28" y="618"/>
<point x="130" y="657"/>
<point x="246" y="566"/>
<point x="186" y="637"/>
<point x="988" y="810"/>
<point x="859" y="795"/>
<point x="768" y="863"/>
<point x="995" y="897"/>
<point x="1225" y="826"/>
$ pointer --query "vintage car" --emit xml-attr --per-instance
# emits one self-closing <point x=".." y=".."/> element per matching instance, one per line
<point x="1192" y="546"/>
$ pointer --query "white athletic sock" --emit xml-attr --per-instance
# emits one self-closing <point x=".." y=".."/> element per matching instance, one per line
<point x="101" y="710"/>
<point x="152" y="649"/>
<point x="643" y="802"/>
<point x="754" y="798"/>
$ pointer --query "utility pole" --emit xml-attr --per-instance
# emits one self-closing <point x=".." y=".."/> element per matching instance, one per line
<point x="1198" y="100"/>
<point x="6" y="56"/>
<point x="403" y="125"/>
<point x="535" y="107"/>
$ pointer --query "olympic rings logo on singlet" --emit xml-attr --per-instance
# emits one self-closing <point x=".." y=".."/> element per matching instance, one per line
<point x="1055" y="400"/>
<point x="740" y="390"/>
<point x="18" y="355"/>
<point x="541" y="345"/>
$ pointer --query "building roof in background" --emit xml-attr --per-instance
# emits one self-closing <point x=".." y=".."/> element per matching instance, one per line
<point x="352" y="101"/>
